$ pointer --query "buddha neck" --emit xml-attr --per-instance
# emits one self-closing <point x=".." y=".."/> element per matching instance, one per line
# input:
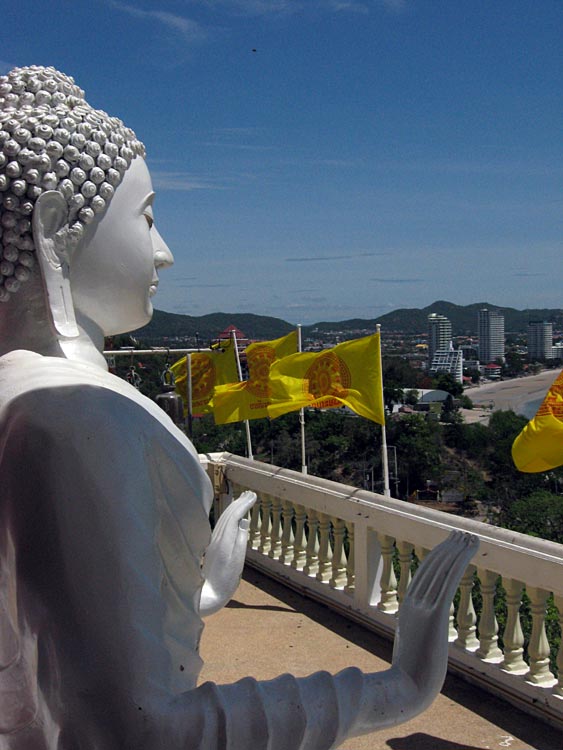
<point x="88" y="346"/>
<point x="25" y="323"/>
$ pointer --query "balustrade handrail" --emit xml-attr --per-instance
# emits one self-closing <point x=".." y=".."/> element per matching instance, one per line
<point x="501" y="550"/>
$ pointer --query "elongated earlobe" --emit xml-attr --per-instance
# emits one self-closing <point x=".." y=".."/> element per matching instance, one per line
<point x="50" y="214"/>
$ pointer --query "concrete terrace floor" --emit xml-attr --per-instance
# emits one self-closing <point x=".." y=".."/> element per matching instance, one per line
<point x="268" y="629"/>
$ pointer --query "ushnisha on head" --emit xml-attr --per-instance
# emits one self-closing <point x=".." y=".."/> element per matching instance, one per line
<point x="52" y="139"/>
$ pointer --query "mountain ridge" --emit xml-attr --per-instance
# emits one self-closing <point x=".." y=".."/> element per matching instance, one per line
<point x="405" y="320"/>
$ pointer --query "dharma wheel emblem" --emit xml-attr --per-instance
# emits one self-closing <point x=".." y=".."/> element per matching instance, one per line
<point x="203" y="377"/>
<point x="259" y="362"/>
<point x="328" y="376"/>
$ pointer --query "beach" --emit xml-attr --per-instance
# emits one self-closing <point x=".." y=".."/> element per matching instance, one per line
<point x="522" y="395"/>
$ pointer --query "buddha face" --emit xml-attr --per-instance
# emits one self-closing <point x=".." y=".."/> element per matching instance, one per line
<point x="114" y="272"/>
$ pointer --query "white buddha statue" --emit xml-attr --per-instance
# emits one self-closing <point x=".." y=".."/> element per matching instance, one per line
<point x="107" y="561"/>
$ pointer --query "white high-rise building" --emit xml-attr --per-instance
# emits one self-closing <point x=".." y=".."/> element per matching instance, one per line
<point x="490" y="325"/>
<point x="439" y="334"/>
<point x="540" y="340"/>
<point x="450" y="361"/>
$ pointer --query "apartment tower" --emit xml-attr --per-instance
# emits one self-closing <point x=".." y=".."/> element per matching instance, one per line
<point x="439" y="334"/>
<point x="490" y="324"/>
<point x="540" y="340"/>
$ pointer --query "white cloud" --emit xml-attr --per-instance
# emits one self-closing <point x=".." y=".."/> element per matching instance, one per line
<point x="251" y="7"/>
<point x="188" y="29"/>
<point x="277" y="7"/>
<point x="183" y="182"/>
<point x="394" y="5"/>
<point x="352" y="6"/>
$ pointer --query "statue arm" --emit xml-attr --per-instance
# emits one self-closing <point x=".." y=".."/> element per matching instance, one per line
<point x="320" y="711"/>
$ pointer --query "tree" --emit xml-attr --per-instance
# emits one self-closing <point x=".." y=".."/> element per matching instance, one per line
<point x="513" y="364"/>
<point x="507" y="484"/>
<point x="419" y="446"/>
<point x="539" y="514"/>
<point x="411" y="397"/>
<point x="446" y="382"/>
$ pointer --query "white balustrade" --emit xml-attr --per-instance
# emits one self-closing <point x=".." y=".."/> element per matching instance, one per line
<point x="287" y="540"/>
<point x="312" y="550"/>
<point x="343" y="546"/>
<point x="300" y="542"/>
<point x="338" y="579"/>
<point x="405" y="550"/>
<point x="538" y="648"/>
<point x="488" y="625"/>
<point x="466" y="617"/>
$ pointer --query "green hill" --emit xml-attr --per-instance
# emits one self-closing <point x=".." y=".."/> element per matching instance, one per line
<point x="405" y="320"/>
<point x="208" y="327"/>
<point x="462" y="317"/>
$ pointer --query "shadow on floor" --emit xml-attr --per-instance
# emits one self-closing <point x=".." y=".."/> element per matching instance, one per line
<point x="421" y="741"/>
<point x="532" y="732"/>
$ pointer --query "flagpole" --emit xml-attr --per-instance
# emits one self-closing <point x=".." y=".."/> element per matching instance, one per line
<point x="190" y="401"/>
<point x="384" y="457"/>
<point x="239" y="370"/>
<point x="302" y="414"/>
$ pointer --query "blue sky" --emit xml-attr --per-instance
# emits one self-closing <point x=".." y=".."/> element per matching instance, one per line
<point x="368" y="155"/>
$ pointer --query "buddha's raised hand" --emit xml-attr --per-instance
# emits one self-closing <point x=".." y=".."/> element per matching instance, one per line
<point x="224" y="558"/>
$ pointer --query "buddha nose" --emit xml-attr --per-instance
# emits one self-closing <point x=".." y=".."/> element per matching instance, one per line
<point x="163" y="258"/>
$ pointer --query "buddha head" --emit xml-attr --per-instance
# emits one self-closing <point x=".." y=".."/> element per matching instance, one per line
<point x="75" y="206"/>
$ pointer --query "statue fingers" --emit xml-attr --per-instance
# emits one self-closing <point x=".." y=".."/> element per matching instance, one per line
<point x="245" y="501"/>
<point x="232" y="515"/>
<point x="440" y="573"/>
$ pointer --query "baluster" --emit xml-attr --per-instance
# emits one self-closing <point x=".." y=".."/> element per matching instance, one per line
<point x="312" y="551"/>
<point x="275" y="534"/>
<point x="286" y="556"/>
<point x="559" y="688"/>
<point x="299" y="542"/>
<point x="325" y="550"/>
<point x="513" y="661"/>
<point x="405" y="560"/>
<point x="538" y="648"/>
<point x="350" y="570"/>
<point x="466" y="617"/>
<point x="388" y="601"/>
<point x="266" y="526"/>
<point x="255" y="525"/>
<point x="488" y="626"/>
<point x="338" y="579"/>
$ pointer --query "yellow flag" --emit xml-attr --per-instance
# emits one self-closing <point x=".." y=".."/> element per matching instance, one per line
<point x="250" y="399"/>
<point x="539" y="447"/>
<point x="347" y="375"/>
<point x="208" y="370"/>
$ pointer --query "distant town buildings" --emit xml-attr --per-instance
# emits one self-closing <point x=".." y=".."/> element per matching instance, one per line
<point x="490" y="325"/>
<point x="442" y="357"/>
<point x="540" y="340"/>
<point x="439" y="335"/>
<point x="448" y="361"/>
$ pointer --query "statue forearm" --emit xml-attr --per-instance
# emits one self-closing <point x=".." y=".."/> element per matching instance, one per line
<point x="311" y="713"/>
<point x="319" y="712"/>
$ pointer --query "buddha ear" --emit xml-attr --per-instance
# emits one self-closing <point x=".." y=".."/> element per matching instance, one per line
<point x="50" y="214"/>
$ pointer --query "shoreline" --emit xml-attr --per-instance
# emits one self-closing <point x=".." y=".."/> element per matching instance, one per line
<point x="522" y="395"/>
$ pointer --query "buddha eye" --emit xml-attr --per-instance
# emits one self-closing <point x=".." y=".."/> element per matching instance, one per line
<point x="150" y="219"/>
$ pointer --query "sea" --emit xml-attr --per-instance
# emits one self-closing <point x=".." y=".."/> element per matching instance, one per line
<point x="530" y="408"/>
